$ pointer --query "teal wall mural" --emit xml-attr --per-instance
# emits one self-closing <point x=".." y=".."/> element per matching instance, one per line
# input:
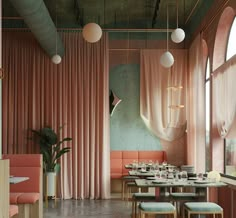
<point x="127" y="130"/>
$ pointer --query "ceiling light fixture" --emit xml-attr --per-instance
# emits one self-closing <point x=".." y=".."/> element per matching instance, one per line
<point x="167" y="59"/>
<point x="56" y="59"/>
<point x="92" y="32"/>
<point x="173" y="95"/>
<point x="178" y="34"/>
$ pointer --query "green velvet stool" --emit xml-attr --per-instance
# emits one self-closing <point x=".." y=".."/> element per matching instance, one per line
<point x="178" y="198"/>
<point x="141" y="197"/>
<point x="129" y="186"/>
<point x="125" y="181"/>
<point x="203" y="208"/>
<point x="156" y="208"/>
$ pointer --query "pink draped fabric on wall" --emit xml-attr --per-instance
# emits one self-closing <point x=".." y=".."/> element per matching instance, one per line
<point x="224" y="98"/>
<point x="196" y="109"/>
<point x="37" y="92"/>
<point x="155" y="99"/>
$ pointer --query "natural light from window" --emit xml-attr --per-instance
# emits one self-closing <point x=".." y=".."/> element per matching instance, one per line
<point x="230" y="144"/>
<point x="231" y="47"/>
<point x="207" y="113"/>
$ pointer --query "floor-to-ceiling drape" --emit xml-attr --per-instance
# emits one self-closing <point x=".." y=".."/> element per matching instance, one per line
<point x="224" y="98"/>
<point x="160" y="95"/>
<point x="196" y="106"/>
<point x="75" y="94"/>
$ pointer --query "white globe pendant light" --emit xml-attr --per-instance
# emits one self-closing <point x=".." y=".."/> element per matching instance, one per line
<point x="56" y="59"/>
<point x="178" y="35"/>
<point x="92" y="32"/>
<point x="167" y="59"/>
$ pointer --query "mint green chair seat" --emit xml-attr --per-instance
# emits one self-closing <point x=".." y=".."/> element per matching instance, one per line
<point x="157" y="208"/>
<point x="178" y="196"/>
<point x="142" y="196"/>
<point x="203" y="208"/>
<point x="129" y="186"/>
<point x="125" y="181"/>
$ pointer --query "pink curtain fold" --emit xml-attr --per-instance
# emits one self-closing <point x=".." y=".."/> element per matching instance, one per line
<point x="196" y="109"/>
<point x="224" y="98"/>
<point x="75" y="93"/>
<point x="156" y="98"/>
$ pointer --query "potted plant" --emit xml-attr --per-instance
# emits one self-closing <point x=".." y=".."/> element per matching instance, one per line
<point x="50" y="147"/>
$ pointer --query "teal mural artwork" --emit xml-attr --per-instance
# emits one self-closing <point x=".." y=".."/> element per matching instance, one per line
<point x="127" y="130"/>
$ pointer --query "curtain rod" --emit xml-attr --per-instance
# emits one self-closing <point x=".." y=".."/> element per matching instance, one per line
<point x="106" y="30"/>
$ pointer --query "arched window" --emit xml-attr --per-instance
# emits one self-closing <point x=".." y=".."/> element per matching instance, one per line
<point x="230" y="144"/>
<point x="231" y="46"/>
<point x="207" y="113"/>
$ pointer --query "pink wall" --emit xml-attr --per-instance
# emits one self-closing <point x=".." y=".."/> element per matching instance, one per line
<point x="211" y="27"/>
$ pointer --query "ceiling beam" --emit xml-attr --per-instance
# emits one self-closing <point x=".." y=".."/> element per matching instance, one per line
<point x="155" y="13"/>
<point x="79" y="13"/>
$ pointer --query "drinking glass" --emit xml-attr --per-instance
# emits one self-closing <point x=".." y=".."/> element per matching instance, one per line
<point x="184" y="176"/>
<point x="158" y="174"/>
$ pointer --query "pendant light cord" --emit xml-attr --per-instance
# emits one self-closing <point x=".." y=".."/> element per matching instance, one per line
<point x="56" y="27"/>
<point x="177" y="13"/>
<point x="167" y="44"/>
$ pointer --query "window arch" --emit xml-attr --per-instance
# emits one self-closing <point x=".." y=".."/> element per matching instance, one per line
<point x="222" y="35"/>
<point x="218" y="59"/>
<point x="231" y="46"/>
<point x="230" y="144"/>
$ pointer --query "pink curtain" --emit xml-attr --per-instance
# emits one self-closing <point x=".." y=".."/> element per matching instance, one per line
<point x="224" y="98"/>
<point x="37" y="92"/>
<point x="196" y="109"/>
<point x="156" y="98"/>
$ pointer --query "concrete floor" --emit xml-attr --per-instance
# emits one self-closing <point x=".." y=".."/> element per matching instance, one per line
<point x="113" y="208"/>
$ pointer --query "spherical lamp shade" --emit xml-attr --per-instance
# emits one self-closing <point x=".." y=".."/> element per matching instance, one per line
<point x="178" y="35"/>
<point x="92" y="32"/>
<point x="56" y="59"/>
<point x="167" y="59"/>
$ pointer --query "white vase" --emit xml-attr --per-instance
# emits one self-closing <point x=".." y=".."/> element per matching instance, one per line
<point x="51" y="183"/>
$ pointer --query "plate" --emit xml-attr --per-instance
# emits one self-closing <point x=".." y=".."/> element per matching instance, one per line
<point x="201" y="181"/>
<point x="159" y="181"/>
<point x="151" y="178"/>
<point x="143" y="171"/>
<point x="192" y="178"/>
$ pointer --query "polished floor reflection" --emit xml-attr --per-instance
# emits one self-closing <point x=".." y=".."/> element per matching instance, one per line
<point x="88" y="208"/>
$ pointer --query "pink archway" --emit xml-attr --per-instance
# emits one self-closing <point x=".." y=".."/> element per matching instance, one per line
<point x="222" y="35"/>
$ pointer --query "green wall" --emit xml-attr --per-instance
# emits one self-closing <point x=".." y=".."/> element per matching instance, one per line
<point x="127" y="130"/>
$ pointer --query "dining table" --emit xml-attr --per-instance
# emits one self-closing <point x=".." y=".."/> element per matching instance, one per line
<point x="165" y="185"/>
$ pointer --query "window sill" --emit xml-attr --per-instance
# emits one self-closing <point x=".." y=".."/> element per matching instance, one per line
<point x="230" y="180"/>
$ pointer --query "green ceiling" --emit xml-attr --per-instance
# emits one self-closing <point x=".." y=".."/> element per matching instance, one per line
<point x="121" y="15"/>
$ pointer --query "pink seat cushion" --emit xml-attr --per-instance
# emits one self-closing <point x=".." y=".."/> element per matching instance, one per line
<point x="13" y="210"/>
<point x="28" y="198"/>
<point x="14" y="197"/>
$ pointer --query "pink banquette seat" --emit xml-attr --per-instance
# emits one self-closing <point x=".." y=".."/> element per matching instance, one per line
<point x="118" y="160"/>
<point x="28" y="194"/>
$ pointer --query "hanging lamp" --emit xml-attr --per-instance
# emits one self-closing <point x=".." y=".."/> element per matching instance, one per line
<point x="56" y="59"/>
<point x="167" y="59"/>
<point x="178" y="34"/>
<point x="92" y="32"/>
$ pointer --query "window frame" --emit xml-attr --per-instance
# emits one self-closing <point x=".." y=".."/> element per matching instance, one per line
<point x="233" y="26"/>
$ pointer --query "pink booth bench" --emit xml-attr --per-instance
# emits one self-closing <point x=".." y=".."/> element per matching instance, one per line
<point x="118" y="159"/>
<point x="28" y="194"/>
<point x="13" y="210"/>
